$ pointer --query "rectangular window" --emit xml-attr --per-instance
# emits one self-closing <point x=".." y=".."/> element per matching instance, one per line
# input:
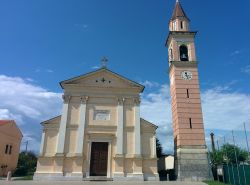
<point x="187" y="93"/>
<point x="190" y="123"/>
<point x="10" y="150"/>
<point x="6" y="149"/>
<point x="181" y="25"/>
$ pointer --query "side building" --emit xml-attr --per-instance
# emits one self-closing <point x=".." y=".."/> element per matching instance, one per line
<point x="100" y="134"/>
<point x="10" y="140"/>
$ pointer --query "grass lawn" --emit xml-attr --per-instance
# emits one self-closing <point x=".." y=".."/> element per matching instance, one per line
<point x="30" y="177"/>
<point x="213" y="183"/>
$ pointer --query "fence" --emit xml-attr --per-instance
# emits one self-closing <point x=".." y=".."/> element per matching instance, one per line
<point x="230" y="155"/>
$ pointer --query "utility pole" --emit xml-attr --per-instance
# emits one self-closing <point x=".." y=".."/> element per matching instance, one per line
<point x="212" y="141"/>
<point x="26" y="147"/>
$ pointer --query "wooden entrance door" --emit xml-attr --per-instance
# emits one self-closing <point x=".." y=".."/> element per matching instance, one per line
<point x="99" y="159"/>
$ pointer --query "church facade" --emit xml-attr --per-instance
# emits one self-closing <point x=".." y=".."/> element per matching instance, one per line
<point x="100" y="134"/>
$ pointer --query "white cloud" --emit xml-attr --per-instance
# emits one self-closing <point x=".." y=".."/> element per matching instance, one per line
<point x="246" y="69"/>
<point x="49" y="71"/>
<point x="82" y="27"/>
<point x="27" y="103"/>
<point x="39" y="70"/>
<point x="155" y="107"/>
<point x="150" y="84"/>
<point x="236" y="52"/>
<point x="24" y="98"/>
<point x="225" y="110"/>
<point x="95" y="67"/>
<point x="222" y="110"/>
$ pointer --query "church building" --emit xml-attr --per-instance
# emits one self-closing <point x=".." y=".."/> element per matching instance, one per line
<point x="191" y="158"/>
<point x="100" y="134"/>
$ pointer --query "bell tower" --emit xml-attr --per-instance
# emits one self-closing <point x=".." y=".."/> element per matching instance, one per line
<point x="191" y="162"/>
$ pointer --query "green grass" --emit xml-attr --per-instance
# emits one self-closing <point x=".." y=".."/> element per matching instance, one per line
<point x="214" y="183"/>
<point x="25" y="178"/>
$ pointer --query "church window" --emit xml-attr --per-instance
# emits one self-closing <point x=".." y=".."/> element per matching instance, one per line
<point x="170" y="54"/>
<point x="6" y="149"/>
<point x="190" y="123"/>
<point x="102" y="115"/>
<point x="187" y="93"/>
<point x="181" y="24"/>
<point x="183" y="53"/>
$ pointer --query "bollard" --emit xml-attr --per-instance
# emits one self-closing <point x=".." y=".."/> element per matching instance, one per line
<point x="168" y="177"/>
<point x="9" y="176"/>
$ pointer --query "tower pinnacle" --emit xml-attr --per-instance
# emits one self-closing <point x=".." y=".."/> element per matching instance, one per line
<point x="179" y="20"/>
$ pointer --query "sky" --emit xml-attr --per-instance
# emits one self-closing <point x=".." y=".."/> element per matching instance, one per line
<point x="44" y="42"/>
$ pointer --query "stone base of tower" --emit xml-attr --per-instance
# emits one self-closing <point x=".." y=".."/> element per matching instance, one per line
<point x="191" y="164"/>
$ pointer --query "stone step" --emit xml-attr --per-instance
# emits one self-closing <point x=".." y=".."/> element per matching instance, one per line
<point x="97" y="178"/>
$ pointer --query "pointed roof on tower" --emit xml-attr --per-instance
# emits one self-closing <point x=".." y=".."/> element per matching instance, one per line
<point x="178" y="11"/>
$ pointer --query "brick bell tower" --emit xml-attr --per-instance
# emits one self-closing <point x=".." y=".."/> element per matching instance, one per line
<point x="191" y="162"/>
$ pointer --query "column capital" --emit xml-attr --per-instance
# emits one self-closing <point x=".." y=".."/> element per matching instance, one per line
<point x="121" y="100"/>
<point x="84" y="99"/>
<point x="66" y="98"/>
<point x="137" y="101"/>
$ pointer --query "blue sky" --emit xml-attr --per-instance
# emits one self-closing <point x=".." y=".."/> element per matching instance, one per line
<point x="43" y="42"/>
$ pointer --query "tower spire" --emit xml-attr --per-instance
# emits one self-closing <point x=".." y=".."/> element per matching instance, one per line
<point x="178" y="11"/>
<point x="179" y="20"/>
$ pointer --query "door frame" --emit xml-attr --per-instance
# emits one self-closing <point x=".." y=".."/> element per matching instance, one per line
<point x="99" y="140"/>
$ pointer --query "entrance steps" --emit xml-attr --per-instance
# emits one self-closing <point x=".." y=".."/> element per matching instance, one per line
<point x="98" y="178"/>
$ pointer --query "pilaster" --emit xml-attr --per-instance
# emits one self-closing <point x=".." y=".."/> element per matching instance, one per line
<point x="81" y="128"/>
<point x="154" y="155"/>
<point x="63" y="125"/>
<point x="42" y="144"/>
<point x="137" y="127"/>
<point x="120" y="126"/>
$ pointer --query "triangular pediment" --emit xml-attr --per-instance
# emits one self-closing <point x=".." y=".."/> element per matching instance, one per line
<point x="102" y="78"/>
<point x="55" y="120"/>
<point x="145" y="123"/>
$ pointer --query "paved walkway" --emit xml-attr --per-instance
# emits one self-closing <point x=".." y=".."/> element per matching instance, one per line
<point x="96" y="183"/>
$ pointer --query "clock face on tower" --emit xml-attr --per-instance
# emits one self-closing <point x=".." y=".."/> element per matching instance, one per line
<point x="186" y="75"/>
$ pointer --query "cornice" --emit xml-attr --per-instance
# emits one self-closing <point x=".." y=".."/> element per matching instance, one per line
<point x="188" y="64"/>
<point x="186" y="33"/>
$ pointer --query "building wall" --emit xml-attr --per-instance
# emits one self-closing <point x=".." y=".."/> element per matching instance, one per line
<point x="9" y="135"/>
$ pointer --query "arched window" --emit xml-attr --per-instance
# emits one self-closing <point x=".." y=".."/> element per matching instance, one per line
<point x="183" y="53"/>
<point x="170" y="54"/>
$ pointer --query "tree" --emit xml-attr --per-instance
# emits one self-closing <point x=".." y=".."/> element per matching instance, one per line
<point x="158" y="148"/>
<point x="26" y="164"/>
<point x="228" y="154"/>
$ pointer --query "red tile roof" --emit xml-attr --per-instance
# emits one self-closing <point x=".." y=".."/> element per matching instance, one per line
<point x="3" y="122"/>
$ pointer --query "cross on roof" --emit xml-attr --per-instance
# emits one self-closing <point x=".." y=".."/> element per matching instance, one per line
<point x="104" y="62"/>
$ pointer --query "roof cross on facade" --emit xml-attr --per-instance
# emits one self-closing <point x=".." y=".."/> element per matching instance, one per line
<point x="104" y="61"/>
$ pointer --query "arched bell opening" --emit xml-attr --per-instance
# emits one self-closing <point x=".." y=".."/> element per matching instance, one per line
<point x="184" y="53"/>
